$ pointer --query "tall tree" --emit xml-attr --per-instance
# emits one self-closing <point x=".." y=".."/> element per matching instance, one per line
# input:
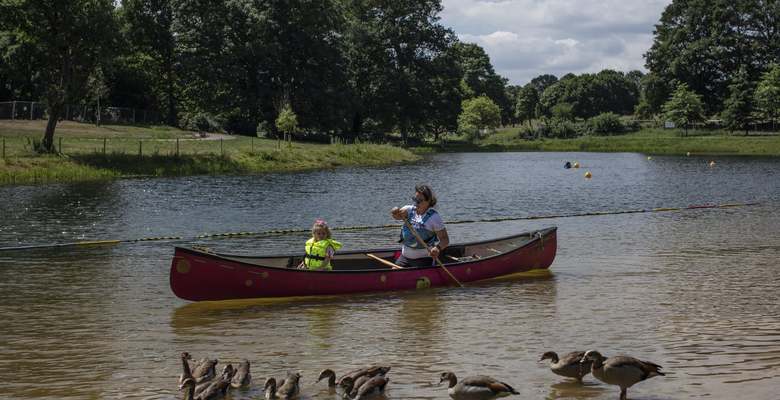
<point x="527" y="100"/>
<point x="149" y="28"/>
<point x="479" y="114"/>
<point x="481" y="79"/>
<point x="684" y="107"/>
<point x="768" y="94"/>
<point x="67" y="39"/>
<point x="542" y="82"/>
<point x="738" y="108"/>
<point x="702" y="43"/>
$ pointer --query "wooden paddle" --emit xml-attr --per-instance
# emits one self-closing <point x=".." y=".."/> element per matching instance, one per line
<point x="422" y="243"/>
<point x="383" y="261"/>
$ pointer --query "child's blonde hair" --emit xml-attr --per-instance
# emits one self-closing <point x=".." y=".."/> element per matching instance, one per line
<point x="320" y="223"/>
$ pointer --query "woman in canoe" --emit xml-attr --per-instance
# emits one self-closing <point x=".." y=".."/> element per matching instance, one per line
<point x="429" y="226"/>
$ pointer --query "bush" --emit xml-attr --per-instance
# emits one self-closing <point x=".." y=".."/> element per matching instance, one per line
<point x="200" y="121"/>
<point x="606" y="124"/>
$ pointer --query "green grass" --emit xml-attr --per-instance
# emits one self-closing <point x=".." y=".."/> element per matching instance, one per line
<point x="648" y="141"/>
<point x="165" y="151"/>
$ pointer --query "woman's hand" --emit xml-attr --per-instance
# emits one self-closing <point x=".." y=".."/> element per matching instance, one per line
<point x="398" y="213"/>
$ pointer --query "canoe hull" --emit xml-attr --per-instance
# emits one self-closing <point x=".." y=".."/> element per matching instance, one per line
<point x="199" y="275"/>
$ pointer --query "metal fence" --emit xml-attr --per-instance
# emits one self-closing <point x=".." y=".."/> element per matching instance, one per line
<point x="30" y="110"/>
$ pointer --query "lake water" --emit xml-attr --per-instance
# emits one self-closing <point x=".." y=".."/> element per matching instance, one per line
<point x="696" y="291"/>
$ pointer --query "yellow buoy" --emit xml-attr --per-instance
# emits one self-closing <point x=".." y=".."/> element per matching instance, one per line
<point x="588" y="175"/>
<point x="576" y="165"/>
<point x="712" y="163"/>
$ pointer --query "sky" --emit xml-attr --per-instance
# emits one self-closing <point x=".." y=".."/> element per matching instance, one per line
<point x="528" y="38"/>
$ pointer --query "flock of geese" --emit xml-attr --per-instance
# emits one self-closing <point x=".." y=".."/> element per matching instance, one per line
<point x="200" y="381"/>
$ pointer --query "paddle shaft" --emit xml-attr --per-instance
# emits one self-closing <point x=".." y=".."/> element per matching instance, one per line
<point x="383" y="261"/>
<point x="422" y="243"/>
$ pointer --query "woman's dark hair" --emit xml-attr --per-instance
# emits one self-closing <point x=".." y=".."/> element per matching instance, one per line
<point x="427" y="192"/>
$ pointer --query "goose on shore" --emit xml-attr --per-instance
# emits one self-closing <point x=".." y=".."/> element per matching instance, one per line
<point x="476" y="387"/>
<point x="370" y="387"/>
<point x="570" y="366"/>
<point x="242" y="376"/>
<point x="621" y="371"/>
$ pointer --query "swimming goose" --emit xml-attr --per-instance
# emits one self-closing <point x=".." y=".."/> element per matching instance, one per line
<point x="328" y="373"/>
<point x="242" y="376"/>
<point x="188" y="384"/>
<point x="476" y="387"/>
<point x="185" y="366"/>
<point x="621" y="371"/>
<point x="205" y="371"/>
<point x="270" y="388"/>
<point x="289" y="388"/>
<point x="370" y="387"/>
<point x="569" y="366"/>
<point x="216" y="388"/>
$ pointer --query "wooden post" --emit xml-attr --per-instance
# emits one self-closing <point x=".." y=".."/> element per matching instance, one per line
<point x="3" y="148"/>
<point x="13" y="110"/>
<point x="32" y="107"/>
<point x="140" y="148"/>
<point x="177" y="147"/>
<point x="104" y="146"/>
<point x="221" y="151"/>
<point x="253" y="146"/>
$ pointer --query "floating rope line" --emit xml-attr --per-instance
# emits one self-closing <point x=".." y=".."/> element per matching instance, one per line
<point x="274" y="232"/>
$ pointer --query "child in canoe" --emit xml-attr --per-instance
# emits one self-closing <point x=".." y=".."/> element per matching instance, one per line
<point x="320" y="248"/>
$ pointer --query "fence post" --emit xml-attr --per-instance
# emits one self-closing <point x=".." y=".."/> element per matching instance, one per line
<point x="177" y="147"/>
<point x="253" y="146"/>
<point x="140" y="148"/>
<point x="221" y="151"/>
<point x="104" y="146"/>
<point x="3" y="148"/>
<point x="134" y="115"/>
<point x="13" y="110"/>
<point x="32" y="107"/>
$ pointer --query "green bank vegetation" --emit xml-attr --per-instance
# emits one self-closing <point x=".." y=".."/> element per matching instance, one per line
<point x="87" y="152"/>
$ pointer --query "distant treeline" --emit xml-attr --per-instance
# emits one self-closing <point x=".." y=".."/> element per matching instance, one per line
<point x="353" y="68"/>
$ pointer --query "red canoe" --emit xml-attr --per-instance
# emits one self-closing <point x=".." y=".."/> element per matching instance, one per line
<point x="199" y="274"/>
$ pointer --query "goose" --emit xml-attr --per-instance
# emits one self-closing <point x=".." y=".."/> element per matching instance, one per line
<point x="185" y="366"/>
<point x="370" y="387"/>
<point x="621" y="371"/>
<point x="570" y="366"/>
<point x="189" y="385"/>
<point x="216" y="388"/>
<point x="476" y="387"/>
<point x="328" y="373"/>
<point x="242" y="377"/>
<point x="205" y="371"/>
<point x="289" y="388"/>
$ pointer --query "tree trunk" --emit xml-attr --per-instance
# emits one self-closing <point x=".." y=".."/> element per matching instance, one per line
<point x="47" y="145"/>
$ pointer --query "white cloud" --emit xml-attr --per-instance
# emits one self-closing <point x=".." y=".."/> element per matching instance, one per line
<point x="527" y="38"/>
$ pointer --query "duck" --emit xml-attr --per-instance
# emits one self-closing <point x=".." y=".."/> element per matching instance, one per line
<point x="623" y="371"/>
<point x="288" y="388"/>
<point x="368" y="372"/>
<point x="478" y="387"/>
<point x="205" y="370"/>
<point x="242" y="377"/>
<point x="185" y="366"/>
<point x="370" y="387"/>
<point x="570" y="366"/>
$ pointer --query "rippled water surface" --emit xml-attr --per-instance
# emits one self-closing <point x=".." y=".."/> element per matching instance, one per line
<point x="696" y="291"/>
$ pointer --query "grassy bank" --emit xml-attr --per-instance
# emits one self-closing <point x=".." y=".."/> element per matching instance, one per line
<point x="89" y="152"/>
<point x="649" y="141"/>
